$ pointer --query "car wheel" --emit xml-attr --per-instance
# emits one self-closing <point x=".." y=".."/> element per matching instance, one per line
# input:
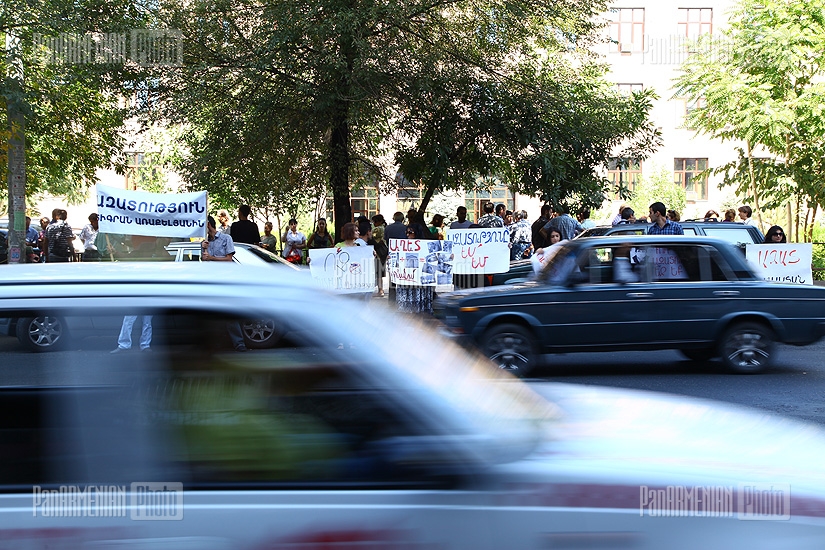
<point x="511" y="348"/>
<point x="41" y="333"/>
<point x="747" y="348"/>
<point x="261" y="333"/>
<point x="699" y="354"/>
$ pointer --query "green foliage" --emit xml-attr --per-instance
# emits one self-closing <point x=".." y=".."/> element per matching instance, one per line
<point x="762" y="83"/>
<point x="285" y="101"/>
<point x="73" y="115"/>
<point x="658" y="187"/>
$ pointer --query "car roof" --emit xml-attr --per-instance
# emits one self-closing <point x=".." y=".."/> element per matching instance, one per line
<point x="179" y="276"/>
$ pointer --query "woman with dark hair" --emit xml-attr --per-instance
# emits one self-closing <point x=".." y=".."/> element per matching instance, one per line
<point x="321" y="238"/>
<point x="711" y="215"/>
<point x="730" y="215"/>
<point x="673" y="215"/>
<point x="436" y="226"/>
<point x="775" y="235"/>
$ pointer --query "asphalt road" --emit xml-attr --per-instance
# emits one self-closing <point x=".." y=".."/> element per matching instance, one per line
<point x="794" y="386"/>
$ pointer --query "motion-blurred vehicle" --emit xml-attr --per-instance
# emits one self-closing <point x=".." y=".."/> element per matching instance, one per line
<point x="45" y="331"/>
<point x="694" y="294"/>
<point x="359" y="429"/>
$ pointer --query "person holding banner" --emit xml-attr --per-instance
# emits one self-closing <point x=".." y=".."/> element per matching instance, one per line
<point x="775" y="235"/>
<point x="218" y="247"/>
<point x="415" y="299"/>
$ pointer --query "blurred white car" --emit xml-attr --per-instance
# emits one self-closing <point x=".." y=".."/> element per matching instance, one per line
<point x="359" y="429"/>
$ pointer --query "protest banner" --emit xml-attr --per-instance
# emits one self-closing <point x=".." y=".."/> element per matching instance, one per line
<point x="782" y="262"/>
<point x="420" y="262"/>
<point x="479" y="251"/>
<point x="348" y="269"/>
<point x="151" y="214"/>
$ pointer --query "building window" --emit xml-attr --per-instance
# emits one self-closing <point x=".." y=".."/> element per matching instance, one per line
<point x="409" y="193"/>
<point x="685" y="175"/>
<point x="694" y="22"/>
<point x="627" y="89"/>
<point x="133" y="161"/>
<point x="690" y="106"/>
<point x="627" y="175"/>
<point x="475" y="200"/>
<point x="627" y="30"/>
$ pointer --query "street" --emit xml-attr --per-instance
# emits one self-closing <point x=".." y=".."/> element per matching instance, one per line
<point x="794" y="386"/>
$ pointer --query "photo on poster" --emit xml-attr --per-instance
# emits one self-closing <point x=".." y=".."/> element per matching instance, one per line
<point x="392" y="259"/>
<point x="447" y="247"/>
<point x="427" y="278"/>
<point x="433" y="246"/>
<point x="444" y="257"/>
<point x="428" y="268"/>
<point x="432" y="258"/>
<point x="444" y="268"/>
<point x="411" y="261"/>
<point x="445" y="279"/>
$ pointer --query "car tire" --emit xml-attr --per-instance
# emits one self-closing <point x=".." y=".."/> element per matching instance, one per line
<point x="699" y="354"/>
<point x="747" y="348"/>
<point x="511" y="347"/>
<point x="41" y="333"/>
<point x="261" y="333"/>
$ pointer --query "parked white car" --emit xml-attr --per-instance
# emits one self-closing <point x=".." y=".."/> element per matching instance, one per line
<point x="360" y="428"/>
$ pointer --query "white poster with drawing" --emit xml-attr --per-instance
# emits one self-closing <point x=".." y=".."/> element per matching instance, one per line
<point x="347" y="269"/>
<point x="782" y="262"/>
<point x="420" y="262"/>
<point x="485" y="250"/>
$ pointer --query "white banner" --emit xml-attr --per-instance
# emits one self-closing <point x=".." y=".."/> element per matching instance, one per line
<point x="420" y="262"/>
<point x="484" y="250"/>
<point x="348" y="269"/>
<point x="782" y="262"/>
<point x="151" y="214"/>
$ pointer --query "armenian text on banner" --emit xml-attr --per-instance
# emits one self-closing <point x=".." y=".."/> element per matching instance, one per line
<point x="347" y="269"/>
<point x="782" y="262"/>
<point x="420" y="262"/>
<point x="484" y="250"/>
<point x="151" y="214"/>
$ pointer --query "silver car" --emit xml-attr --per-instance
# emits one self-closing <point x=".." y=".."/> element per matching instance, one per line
<point x="43" y="331"/>
<point x="360" y="428"/>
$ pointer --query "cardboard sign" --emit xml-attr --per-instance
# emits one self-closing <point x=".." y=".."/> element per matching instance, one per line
<point x="420" y="262"/>
<point x="480" y="251"/>
<point x="782" y="262"/>
<point x="348" y="269"/>
<point x="151" y="214"/>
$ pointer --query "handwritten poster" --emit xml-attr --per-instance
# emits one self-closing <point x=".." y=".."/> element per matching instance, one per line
<point x="348" y="269"/>
<point x="420" y="262"/>
<point x="666" y="264"/>
<point x="484" y="250"/>
<point x="782" y="262"/>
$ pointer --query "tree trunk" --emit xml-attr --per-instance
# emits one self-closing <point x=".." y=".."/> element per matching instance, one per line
<point x="753" y="184"/>
<point x="428" y="194"/>
<point x="339" y="153"/>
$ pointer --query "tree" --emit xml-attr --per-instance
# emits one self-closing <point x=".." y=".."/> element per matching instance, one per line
<point x="330" y="87"/>
<point x="658" y="187"/>
<point x="73" y="118"/>
<point x="761" y="84"/>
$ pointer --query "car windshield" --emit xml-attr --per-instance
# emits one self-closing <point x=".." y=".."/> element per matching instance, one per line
<point x="268" y="256"/>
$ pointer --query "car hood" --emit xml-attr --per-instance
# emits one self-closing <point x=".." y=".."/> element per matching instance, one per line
<point x="458" y="295"/>
<point x="649" y="438"/>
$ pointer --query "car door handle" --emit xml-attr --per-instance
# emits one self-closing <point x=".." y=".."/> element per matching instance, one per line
<point x="640" y="295"/>
<point x="726" y="293"/>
